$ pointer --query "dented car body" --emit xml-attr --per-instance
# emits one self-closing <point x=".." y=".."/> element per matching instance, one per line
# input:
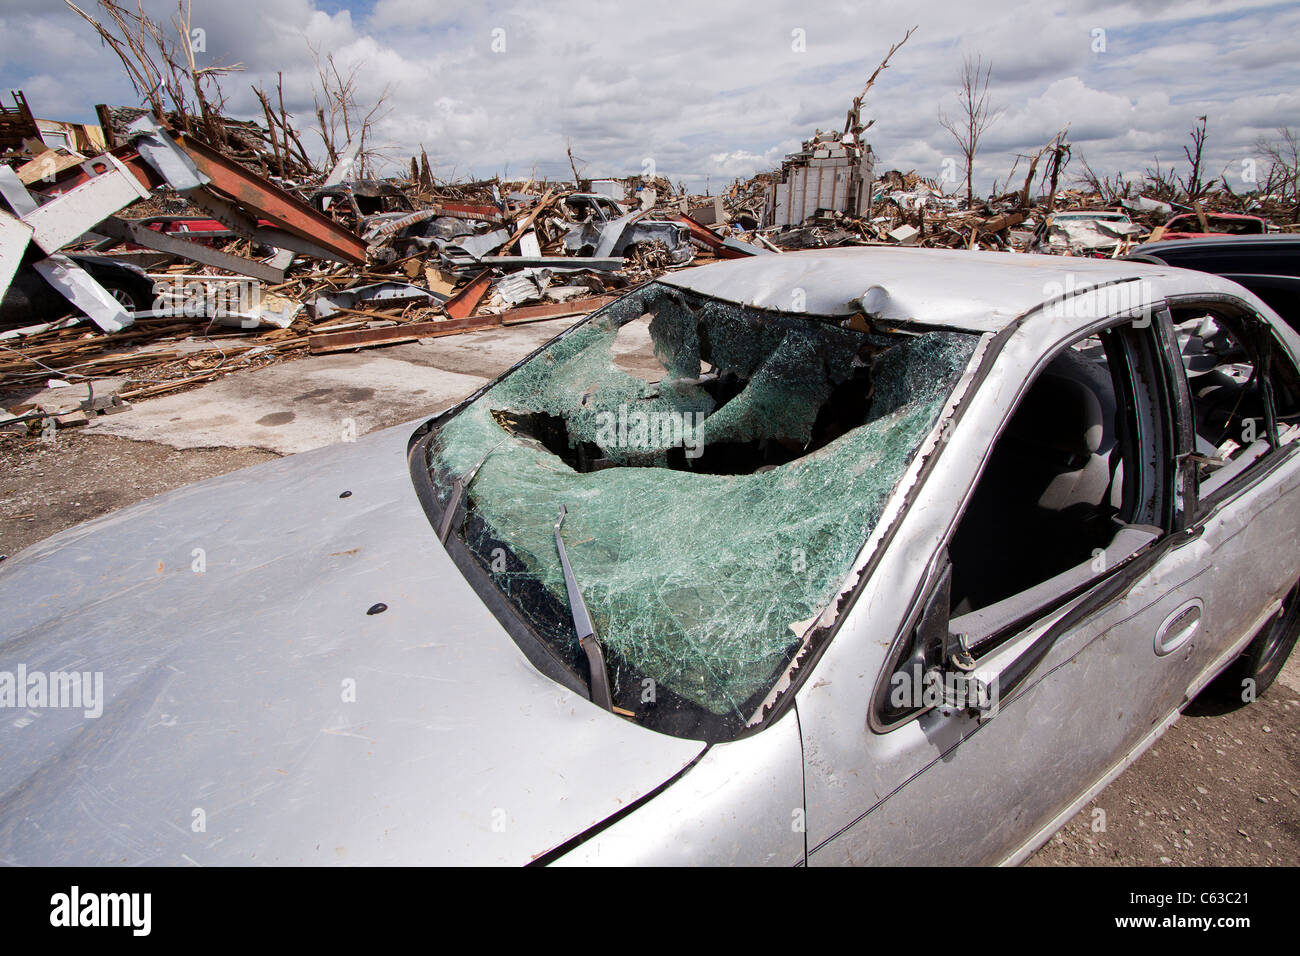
<point x="853" y="556"/>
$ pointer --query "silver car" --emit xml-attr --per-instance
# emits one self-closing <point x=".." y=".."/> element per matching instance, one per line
<point x="853" y="556"/>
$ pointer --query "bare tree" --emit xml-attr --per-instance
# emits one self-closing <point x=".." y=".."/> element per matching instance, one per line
<point x="286" y="147"/>
<point x="1193" y="186"/>
<point x="568" y="147"/>
<point x="1057" y="151"/>
<point x="1283" y="156"/>
<point x="160" y="64"/>
<point x="1057" y="160"/>
<point x="1111" y="191"/>
<point x="426" y="174"/>
<point x="977" y="115"/>
<point x="1159" y="183"/>
<point x="162" y="70"/>
<point x="853" y="123"/>
<point x="340" y="118"/>
<point x="854" y="127"/>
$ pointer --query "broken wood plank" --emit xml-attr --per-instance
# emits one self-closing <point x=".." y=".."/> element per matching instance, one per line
<point x="554" y="310"/>
<point x="439" y="282"/>
<point x="392" y="335"/>
<point x="47" y="166"/>
<point x="1006" y="221"/>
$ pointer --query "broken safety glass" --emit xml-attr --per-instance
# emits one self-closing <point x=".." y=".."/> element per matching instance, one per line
<point x="721" y="468"/>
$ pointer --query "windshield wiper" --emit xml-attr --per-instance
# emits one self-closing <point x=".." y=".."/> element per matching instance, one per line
<point x="582" y="625"/>
<point x="458" y="489"/>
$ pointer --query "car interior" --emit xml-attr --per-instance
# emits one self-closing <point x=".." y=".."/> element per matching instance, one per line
<point x="1059" y="501"/>
<point x="1053" y="499"/>
<point x="1052" y="489"/>
<point x="1227" y="393"/>
<point x="1231" y="387"/>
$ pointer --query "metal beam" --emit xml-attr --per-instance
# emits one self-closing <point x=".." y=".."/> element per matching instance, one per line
<point x="463" y="303"/>
<point x="127" y="231"/>
<point x="261" y="197"/>
<point x="234" y="218"/>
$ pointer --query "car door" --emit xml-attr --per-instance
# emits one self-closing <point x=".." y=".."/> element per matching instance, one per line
<point x="1085" y="663"/>
<point x="1244" y="396"/>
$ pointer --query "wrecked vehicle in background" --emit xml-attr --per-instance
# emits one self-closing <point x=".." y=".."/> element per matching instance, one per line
<point x="352" y="202"/>
<point x="1267" y="265"/>
<point x="1188" y="226"/>
<point x="604" y="228"/>
<point x="30" y="299"/>
<point x="1087" y="232"/>
<point x="809" y="537"/>
<point x="586" y="207"/>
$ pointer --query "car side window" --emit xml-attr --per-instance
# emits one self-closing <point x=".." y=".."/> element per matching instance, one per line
<point x="1063" y="478"/>
<point x="1078" y="482"/>
<point x="1242" y="386"/>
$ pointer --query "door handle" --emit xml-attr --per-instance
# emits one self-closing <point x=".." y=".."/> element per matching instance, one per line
<point x="1177" y="629"/>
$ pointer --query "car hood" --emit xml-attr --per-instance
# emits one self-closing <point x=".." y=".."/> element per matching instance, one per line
<point x="253" y="712"/>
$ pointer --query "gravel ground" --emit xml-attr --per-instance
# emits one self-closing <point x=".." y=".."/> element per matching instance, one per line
<point x="1220" y="788"/>
<point x="49" y="485"/>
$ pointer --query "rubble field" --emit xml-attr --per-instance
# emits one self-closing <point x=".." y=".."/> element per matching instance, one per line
<point x="163" y="262"/>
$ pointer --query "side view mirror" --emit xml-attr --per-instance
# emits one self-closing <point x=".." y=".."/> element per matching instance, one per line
<point x="937" y="671"/>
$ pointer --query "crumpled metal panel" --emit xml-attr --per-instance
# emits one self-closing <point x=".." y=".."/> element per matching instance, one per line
<point x="80" y="288"/>
<point x="14" y="237"/>
<point x="526" y="285"/>
<point x="480" y="245"/>
<point x="974" y="291"/>
<point x="70" y="215"/>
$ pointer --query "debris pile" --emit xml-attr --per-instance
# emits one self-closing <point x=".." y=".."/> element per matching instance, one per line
<point x="171" y="245"/>
<point x="190" y="263"/>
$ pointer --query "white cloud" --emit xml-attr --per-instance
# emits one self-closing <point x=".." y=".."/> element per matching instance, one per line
<point x="718" y="90"/>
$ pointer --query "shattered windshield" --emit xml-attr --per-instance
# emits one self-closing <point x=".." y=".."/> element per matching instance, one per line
<point x="721" y="468"/>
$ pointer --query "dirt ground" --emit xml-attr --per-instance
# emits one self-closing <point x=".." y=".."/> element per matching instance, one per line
<point x="1220" y="788"/>
<point x="49" y="485"/>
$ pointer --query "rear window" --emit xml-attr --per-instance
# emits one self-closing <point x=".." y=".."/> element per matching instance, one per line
<point x="721" y="468"/>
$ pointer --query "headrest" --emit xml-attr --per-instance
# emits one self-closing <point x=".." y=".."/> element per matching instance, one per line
<point x="1059" y="414"/>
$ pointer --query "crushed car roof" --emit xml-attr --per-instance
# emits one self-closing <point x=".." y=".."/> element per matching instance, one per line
<point x="973" y="291"/>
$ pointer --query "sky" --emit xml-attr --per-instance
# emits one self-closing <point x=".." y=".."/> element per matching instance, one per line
<point x="705" y="92"/>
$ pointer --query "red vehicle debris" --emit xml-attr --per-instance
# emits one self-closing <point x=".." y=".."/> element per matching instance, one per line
<point x="1188" y="226"/>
